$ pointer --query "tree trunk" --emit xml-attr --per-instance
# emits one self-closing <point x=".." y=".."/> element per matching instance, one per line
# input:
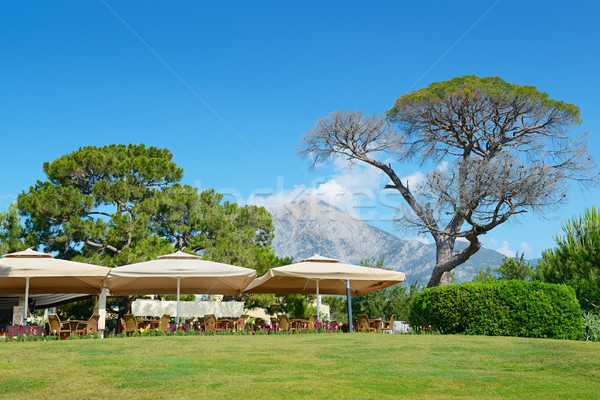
<point x="446" y="259"/>
<point x="124" y="307"/>
<point x="443" y="256"/>
<point x="446" y="278"/>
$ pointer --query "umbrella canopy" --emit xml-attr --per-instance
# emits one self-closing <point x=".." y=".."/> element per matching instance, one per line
<point x="30" y="271"/>
<point x="330" y="275"/>
<point x="179" y="273"/>
<point x="196" y="275"/>
<point x="46" y="274"/>
<point x="319" y="274"/>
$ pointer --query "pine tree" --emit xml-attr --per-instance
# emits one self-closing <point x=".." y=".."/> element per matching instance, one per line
<point x="576" y="260"/>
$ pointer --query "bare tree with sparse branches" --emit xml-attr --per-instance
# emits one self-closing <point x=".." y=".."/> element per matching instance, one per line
<point x="496" y="150"/>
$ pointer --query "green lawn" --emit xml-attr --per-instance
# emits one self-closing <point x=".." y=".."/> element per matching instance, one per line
<point x="332" y="366"/>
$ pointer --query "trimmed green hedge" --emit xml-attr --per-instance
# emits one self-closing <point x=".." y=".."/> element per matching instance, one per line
<point x="500" y="308"/>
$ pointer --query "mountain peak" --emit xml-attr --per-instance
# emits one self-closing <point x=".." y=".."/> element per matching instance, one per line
<point x="309" y="226"/>
<point x="309" y="201"/>
<point x="310" y="208"/>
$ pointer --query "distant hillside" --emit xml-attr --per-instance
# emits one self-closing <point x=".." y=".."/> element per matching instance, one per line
<point x="309" y="226"/>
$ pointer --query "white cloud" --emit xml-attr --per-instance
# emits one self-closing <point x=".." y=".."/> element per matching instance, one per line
<point x="414" y="179"/>
<point x="506" y="250"/>
<point x="505" y="247"/>
<point x="267" y="198"/>
<point x="356" y="189"/>
<point x="418" y="177"/>
<point x="353" y="188"/>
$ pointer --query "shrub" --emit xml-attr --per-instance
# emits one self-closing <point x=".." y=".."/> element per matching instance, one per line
<point x="591" y="326"/>
<point x="501" y="308"/>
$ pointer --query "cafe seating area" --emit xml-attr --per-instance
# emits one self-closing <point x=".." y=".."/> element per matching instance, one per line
<point x="366" y="324"/>
<point x="131" y="325"/>
<point x="65" y="328"/>
<point x="32" y="272"/>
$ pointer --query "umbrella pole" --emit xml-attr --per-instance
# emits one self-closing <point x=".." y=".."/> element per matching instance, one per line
<point x="318" y="303"/>
<point x="178" y="290"/>
<point x="25" y="310"/>
<point x="349" y="301"/>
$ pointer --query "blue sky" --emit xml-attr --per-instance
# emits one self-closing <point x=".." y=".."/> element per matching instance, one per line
<point x="230" y="88"/>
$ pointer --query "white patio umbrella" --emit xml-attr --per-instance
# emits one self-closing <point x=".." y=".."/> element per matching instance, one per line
<point x="33" y="272"/>
<point x="179" y="273"/>
<point x="319" y="274"/>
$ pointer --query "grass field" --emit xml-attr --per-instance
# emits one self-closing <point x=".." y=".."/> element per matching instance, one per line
<point x="328" y="366"/>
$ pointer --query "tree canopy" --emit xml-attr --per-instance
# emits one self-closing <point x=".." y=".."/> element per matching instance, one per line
<point x="120" y="204"/>
<point x="511" y="268"/>
<point x="494" y="149"/>
<point x="575" y="260"/>
<point x="11" y="231"/>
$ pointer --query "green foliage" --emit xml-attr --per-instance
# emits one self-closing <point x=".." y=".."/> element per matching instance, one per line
<point x="93" y="204"/>
<point x="337" y="308"/>
<point x="11" y="231"/>
<point x="469" y="89"/>
<point x="591" y="326"/>
<point x="76" y="310"/>
<point x="485" y="274"/>
<point x="373" y="263"/>
<point x="121" y="204"/>
<point x="294" y="305"/>
<point x="224" y="233"/>
<point x="505" y="308"/>
<point x="576" y="259"/>
<point x="384" y="303"/>
<point x="515" y="268"/>
<point x="510" y="268"/>
<point x="182" y="297"/>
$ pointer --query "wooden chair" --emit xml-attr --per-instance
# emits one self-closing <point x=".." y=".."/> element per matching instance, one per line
<point x="388" y="325"/>
<point x="163" y="325"/>
<point x="89" y="327"/>
<point x="284" y="322"/>
<point x="129" y="324"/>
<point x="56" y="327"/>
<point x="210" y="323"/>
<point x="363" y="323"/>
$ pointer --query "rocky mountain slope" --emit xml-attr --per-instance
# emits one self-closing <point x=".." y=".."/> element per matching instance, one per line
<point x="309" y="226"/>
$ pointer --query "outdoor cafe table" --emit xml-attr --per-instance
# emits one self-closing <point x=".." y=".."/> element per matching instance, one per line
<point x="227" y="322"/>
<point x="74" y="323"/>
<point x="300" y="323"/>
<point x="258" y="323"/>
<point x="376" y="323"/>
<point x="154" y="323"/>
